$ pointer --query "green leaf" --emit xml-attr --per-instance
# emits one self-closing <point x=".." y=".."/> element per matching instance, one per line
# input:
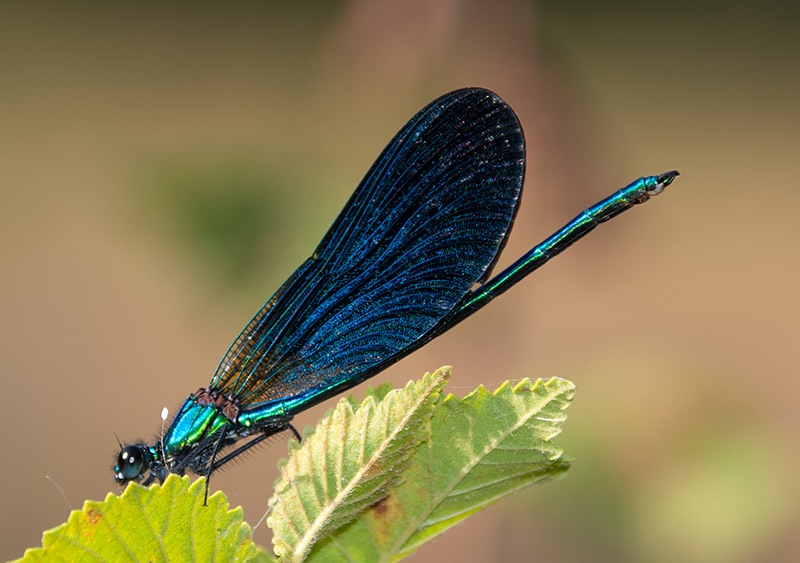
<point x="349" y="462"/>
<point x="478" y="449"/>
<point x="484" y="447"/>
<point x="160" y="523"/>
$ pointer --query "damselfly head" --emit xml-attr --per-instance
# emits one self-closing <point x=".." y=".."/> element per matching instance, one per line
<point x="134" y="462"/>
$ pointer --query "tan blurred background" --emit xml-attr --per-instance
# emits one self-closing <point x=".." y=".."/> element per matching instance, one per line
<point x="163" y="170"/>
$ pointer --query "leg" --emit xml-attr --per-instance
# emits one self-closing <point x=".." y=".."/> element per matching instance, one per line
<point x="211" y="465"/>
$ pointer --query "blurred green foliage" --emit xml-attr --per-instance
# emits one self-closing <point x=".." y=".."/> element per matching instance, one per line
<point x="223" y="215"/>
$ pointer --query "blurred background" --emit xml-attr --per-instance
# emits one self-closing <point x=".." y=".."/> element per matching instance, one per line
<point x="164" y="169"/>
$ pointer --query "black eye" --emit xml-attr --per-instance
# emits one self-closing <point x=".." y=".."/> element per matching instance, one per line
<point x="130" y="464"/>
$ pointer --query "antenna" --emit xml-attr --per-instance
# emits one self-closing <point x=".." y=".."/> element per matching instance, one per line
<point x="60" y="490"/>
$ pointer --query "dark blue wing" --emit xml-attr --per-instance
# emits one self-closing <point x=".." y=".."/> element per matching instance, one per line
<point x="426" y="223"/>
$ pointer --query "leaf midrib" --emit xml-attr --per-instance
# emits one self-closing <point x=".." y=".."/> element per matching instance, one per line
<point x="307" y="540"/>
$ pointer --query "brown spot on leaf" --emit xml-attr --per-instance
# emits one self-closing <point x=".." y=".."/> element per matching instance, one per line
<point x="94" y="517"/>
<point x="380" y="508"/>
<point x="383" y="514"/>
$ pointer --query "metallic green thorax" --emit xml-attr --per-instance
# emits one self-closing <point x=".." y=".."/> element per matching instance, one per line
<point x="192" y="424"/>
<point x="196" y="423"/>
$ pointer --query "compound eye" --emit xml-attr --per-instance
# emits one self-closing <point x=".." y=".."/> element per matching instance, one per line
<point x="130" y="464"/>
